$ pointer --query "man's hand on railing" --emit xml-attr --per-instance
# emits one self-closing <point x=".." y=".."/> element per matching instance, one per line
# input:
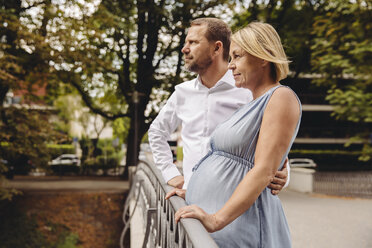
<point x="176" y="182"/>
<point x="180" y="192"/>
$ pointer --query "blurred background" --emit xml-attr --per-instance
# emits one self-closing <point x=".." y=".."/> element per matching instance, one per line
<point x="82" y="80"/>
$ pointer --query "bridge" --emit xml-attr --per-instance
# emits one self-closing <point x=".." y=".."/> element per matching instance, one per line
<point x="150" y="218"/>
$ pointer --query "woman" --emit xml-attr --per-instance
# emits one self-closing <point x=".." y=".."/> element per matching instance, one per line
<point x="228" y="190"/>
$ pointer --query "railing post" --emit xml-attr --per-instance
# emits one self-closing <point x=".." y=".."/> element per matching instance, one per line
<point x="150" y="213"/>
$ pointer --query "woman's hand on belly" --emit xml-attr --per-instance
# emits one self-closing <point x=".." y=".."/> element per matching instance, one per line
<point x="209" y="221"/>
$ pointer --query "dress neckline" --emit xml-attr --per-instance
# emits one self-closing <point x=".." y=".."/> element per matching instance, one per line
<point x="277" y="86"/>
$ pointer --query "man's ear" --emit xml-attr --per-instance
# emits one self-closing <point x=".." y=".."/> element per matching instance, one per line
<point x="265" y="63"/>
<point x="218" y="46"/>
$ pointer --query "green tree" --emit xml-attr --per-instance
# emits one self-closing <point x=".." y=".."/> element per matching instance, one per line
<point x="128" y="51"/>
<point x="121" y="128"/>
<point x="342" y="54"/>
<point x="24" y="56"/>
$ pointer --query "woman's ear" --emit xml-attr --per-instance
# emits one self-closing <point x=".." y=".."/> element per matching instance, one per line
<point x="265" y="63"/>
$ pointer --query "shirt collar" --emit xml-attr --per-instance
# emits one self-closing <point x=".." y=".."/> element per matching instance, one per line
<point x="227" y="78"/>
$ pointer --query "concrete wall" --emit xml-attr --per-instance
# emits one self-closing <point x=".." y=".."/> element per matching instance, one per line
<point x="302" y="180"/>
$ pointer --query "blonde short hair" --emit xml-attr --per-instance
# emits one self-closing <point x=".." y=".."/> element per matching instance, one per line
<point x="262" y="41"/>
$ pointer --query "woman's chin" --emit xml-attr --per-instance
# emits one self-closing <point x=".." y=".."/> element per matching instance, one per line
<point x="238" y="84"/>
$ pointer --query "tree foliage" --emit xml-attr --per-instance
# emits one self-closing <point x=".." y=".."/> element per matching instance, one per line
<point x="119" y="55"/>
<point x="342" y="54"/>
<point x="332" y="41"/>
<point x="24" y="58"/>
<point x="124" y="57"/>
<point x="293" y="21"/>
<point x="124" y="53"/>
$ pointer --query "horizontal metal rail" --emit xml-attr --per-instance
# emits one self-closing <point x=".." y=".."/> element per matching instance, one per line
<point x="147" y="194"/>
<point x="352" y="184"/>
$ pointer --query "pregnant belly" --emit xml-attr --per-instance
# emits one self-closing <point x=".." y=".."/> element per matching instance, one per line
<point x="212" y="184"/>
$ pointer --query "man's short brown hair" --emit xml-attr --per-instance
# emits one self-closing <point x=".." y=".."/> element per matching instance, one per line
<point x="217" y="30"/>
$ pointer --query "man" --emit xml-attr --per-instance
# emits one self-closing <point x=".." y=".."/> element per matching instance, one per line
<point x="199" y="105"/>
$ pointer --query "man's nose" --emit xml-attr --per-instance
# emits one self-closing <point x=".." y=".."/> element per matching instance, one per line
<point x="185" y="49"/>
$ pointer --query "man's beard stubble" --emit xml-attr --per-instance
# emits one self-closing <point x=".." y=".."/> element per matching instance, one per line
<point x="199" y="66"/>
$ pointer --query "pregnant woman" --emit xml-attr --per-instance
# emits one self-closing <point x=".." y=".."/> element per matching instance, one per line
<point x="228" y="190"/>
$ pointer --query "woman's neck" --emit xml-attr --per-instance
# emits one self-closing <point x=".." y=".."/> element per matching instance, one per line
<point x="262" y="88"/>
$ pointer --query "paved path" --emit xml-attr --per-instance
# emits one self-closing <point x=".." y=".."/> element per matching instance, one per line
<point x="318" y="221"/>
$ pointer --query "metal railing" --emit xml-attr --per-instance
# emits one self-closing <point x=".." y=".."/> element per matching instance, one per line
<point x="353" y="184"/>
<point x="147" y="194"/>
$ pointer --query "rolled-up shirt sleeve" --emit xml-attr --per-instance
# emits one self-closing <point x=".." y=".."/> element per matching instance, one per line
<point x="159" y="133"/>
<point x="289" y="175"/>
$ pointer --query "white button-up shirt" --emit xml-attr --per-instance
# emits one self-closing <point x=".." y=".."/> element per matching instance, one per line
<point x="198" y="110"/>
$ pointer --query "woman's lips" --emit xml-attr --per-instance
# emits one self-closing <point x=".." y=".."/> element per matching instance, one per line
<point x="236" y="75"/>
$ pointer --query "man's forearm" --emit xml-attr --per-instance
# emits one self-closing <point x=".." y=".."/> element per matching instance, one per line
<point x="176" y="182"/>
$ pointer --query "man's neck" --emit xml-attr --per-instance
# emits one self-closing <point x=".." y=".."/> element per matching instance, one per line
<point x="215" y="72"/>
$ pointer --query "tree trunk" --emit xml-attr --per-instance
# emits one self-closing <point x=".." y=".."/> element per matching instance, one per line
<point x="3" y="91"/>
<point x="254" y="9"/>
<point x="137" y="130"/>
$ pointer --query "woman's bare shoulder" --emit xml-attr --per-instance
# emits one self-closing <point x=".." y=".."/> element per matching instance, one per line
<point x="284" y="100"/>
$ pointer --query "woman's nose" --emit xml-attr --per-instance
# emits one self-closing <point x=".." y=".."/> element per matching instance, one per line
<point x="231" y="65"/>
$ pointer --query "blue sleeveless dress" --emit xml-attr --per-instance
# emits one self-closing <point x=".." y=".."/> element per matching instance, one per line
<point x="216" y="176"/>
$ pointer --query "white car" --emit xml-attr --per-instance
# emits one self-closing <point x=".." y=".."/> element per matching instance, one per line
<point x="66" y="159"/>
<point x="302" y="163"/>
